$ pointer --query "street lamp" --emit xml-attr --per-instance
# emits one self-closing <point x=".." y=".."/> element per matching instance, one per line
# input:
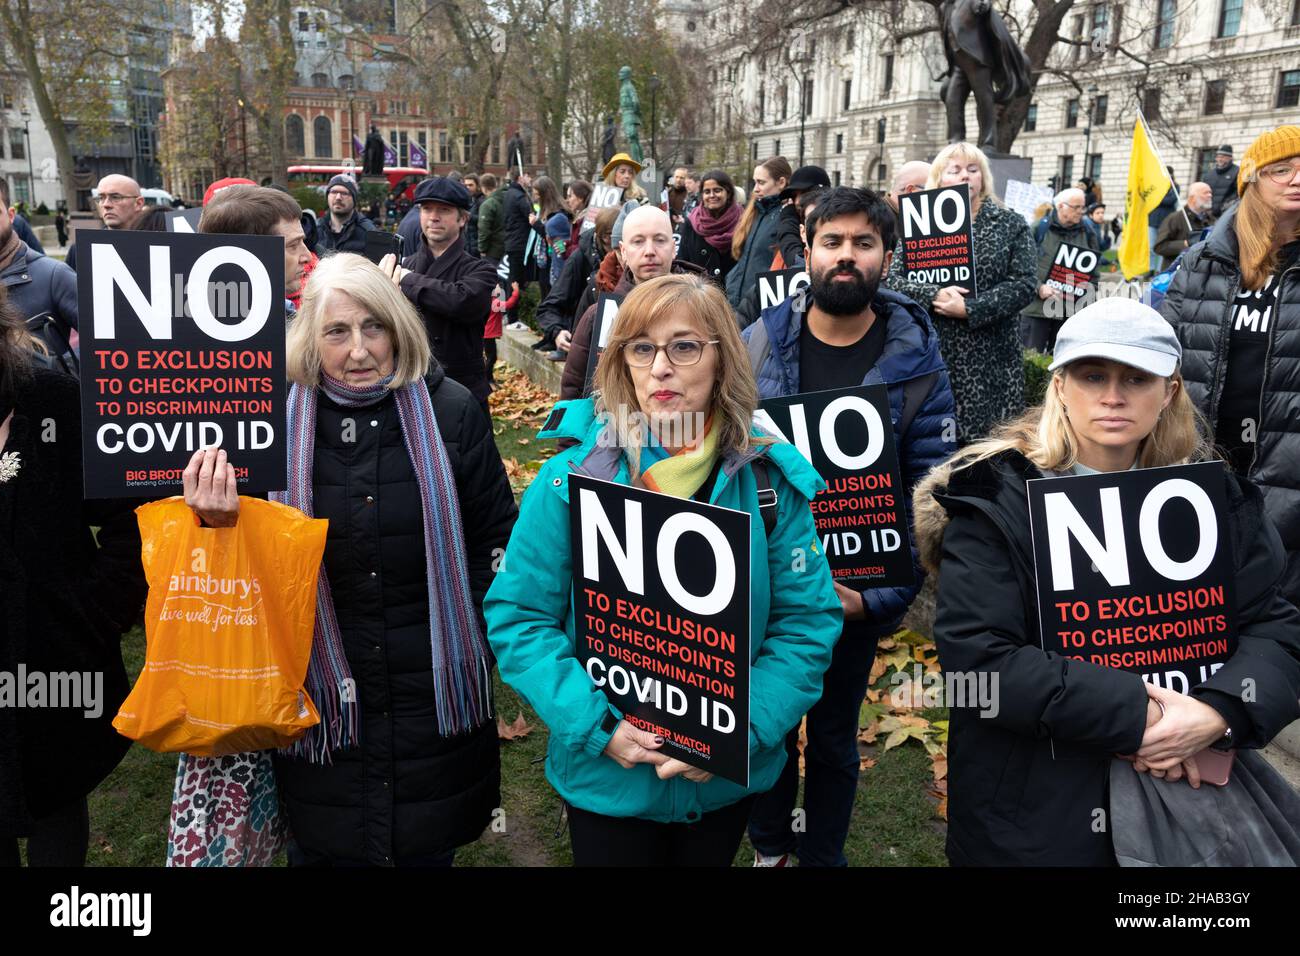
<point x="31" y="172"/>
<point x="1087" y="130"/>
<point x="800" y="60"/>
<point x="243" y="135"/>
<point x="654" y="118"/>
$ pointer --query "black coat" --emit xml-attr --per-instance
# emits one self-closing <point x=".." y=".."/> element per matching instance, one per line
<point x="471" y="227"/>
<point x="351" y="238"/>
<point x="1199" y="306"/>
<point x="516" y="207"/>
<point x="559" y="310"/>
<point x="405" y="793"/>
<point x="64" y="604"/>
<point x="692" y="248"/>
<point x="454" y="294"/>
<point x="1009" y="801"/>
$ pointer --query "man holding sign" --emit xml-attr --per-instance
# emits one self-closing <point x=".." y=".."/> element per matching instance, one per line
<point x="1054" y="674"/>
<point x="1069" y="261"/>
<point x="844" y="331"/>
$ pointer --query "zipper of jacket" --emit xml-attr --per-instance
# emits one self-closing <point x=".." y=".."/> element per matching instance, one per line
<point x="1268" y="354"/>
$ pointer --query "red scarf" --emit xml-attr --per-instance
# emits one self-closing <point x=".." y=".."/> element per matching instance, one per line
<point x="715" y="230"/>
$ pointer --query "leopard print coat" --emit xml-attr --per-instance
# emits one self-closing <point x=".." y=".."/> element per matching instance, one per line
<point x="982" y="351"/>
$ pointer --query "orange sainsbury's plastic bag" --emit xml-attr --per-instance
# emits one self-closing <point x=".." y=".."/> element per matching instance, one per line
<point x="229" y="626"/>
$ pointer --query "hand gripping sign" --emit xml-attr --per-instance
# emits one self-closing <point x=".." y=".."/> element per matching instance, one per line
<point x="1135" y="571"/>
<point x="182" y="348"/>
<point x="861" y="516"/>
<point x="661" y="590"/>
<point x="937" y="245"/>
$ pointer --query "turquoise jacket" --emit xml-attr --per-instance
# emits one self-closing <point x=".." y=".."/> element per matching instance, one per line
<point x="795" y="614"/>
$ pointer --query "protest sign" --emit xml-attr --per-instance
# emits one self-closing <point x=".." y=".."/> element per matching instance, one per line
<point x="661" y="589"/>
<point x="1025" y="198"/>
<point x="184" y="220"/>
<point x="848" y="436"/>
<point x="606" y="311"/>
<point x="1071" y="271"/>
<point x="775" y="287"/>
<point x="182" y="348"/>
<point x="1135" y="571"/>
<point x="602" y="197"/>
<point x="937" y="247"/>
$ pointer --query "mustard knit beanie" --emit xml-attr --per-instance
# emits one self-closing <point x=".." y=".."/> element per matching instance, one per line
<point x="1276" y="144"/>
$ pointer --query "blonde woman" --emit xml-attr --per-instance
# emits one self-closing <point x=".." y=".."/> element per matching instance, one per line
<point x="1116" y="401"/>
<point x="403" y="767"/>
<point x="979" y="334"/>
<point x="674" y="365"/>
<point x="1235" y="303"/>
<point x="620" y="172"/>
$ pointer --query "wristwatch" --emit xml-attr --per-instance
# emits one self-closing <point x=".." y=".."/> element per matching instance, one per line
<point x="1224" y="742"/>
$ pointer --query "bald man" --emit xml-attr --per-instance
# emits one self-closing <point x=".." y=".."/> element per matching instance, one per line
<point x="117" y="203"/>
<point x="645" y="247"/>
<point x="910" y="178"/>
<point x="1183" y="229"/>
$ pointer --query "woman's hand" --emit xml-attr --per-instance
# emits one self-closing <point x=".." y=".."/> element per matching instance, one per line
<point x="1186" y="728"/>
<point x="629" y="747"/>
<point x="851" y="603"/>
<point x="563" y="339"/>
<point x="211" y="489"/>
<point x="672" y="767"/>
<point x="1186" y="768"/>
<point x="948" y="301"/>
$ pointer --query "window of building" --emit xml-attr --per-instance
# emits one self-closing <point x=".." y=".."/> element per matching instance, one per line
<point x="1072" y="113"/>
<point x="1214" y="95"/>
<point x="468" y="146"/>
<point x="1229" y="18"/>
<point x="444" y="147"/>
<point x="848" y="40"/>
<point x="807" y="94"/>
<point x="1166" y="10"/>
<point x="690" y="26"/>
<point x="882" y="126"/>
<point x="2" y="147"/>
<point x="882" y="172"/>
<point x="1031" y="118"/>
<point x="322" y="134"/>
<point x="1067" y="169"/>
<point x="753" y="151"/>
<point x="1295" y="14"/>
<point x="1099" y="107"/>
<point x="839" y="142"/>
<point x="1080" y="38"/>
<point x="397" y="107"/>
<point x="835" y="178"/>
<point x="785" y="102"/>
<point x="295" y="140"/>
<point x="776" y="147"/>
<point x="889" y="73"/>
<point x="848" y="94"/>
<point x="320" y="80"/>
<point x="1288" y="89"/>
<point x="302" y="21"/>
<point x="1097" y="38"/>
<point x="762" y="104"/>
<point x="17" y="148"/>
<point x="347" y="82"/>
<point x="22" y="192"/>
<point x="1204" y="162"/>
<point x="1092" y="167"/>
<point x="1151" y="102"/>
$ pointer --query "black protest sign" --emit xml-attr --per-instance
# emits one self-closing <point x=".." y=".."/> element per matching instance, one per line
<point x="602" y="325"/>
<point x="1071" y="270"/>
<point x="184" y="220"/>
<point x="182" y="348"/>
<point x="848" y="436"/>
<point x="775" y="287"/>
<point x="1135" y="571"/>
<point x="937" y="245"/>
<point x="661" y="589"/>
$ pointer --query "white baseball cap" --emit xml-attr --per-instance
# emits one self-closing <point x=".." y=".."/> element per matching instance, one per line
<point x="1120" y="329"/>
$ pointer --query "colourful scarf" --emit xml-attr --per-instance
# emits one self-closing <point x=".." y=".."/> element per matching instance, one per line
<point x="462" y="667"/>
<point x="715" y="230"/>
<point x="681" y="474"/>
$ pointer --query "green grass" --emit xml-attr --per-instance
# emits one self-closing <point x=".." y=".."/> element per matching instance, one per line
<point x="893" y="824"/>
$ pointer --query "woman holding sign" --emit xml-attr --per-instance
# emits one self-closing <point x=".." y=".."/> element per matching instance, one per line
<point x="1029" y="761"/>
<point x="979" y="335"/>
<point x="673" y="414"/>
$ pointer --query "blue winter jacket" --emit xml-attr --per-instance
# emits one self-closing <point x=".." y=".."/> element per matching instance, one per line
<point x="795" y="620"/>
<point x="758" y="252"/>
<point x="911" y="351"/>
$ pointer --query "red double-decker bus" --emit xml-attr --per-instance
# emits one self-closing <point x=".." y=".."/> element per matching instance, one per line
<point x="401" y="179"/>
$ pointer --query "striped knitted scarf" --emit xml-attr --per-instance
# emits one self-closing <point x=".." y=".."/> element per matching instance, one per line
<point x="462" y="669"/>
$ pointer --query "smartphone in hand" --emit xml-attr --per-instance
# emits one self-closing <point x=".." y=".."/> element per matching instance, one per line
<point x="380" y="244"/>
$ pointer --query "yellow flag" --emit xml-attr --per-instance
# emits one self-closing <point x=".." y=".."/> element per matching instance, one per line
<point x="1147" y="184"/>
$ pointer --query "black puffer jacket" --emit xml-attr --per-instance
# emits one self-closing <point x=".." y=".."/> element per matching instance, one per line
<point x="64" y="604"/>
<point x="692" y="248"/>
<point x="406" y="793"/>
<point x="351" y="238"/>
<point x="559" y="310"/>
<point x="1010" y="802"/>
<point x="516" y="207"/>
<point x="1199" y="306"/>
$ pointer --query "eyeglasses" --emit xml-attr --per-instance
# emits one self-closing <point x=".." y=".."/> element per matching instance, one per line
<point x="1281" y="173"/>
<point x="1073" y="206"/>
<point x="642" y="353"/>
<point x="109" y="199"/>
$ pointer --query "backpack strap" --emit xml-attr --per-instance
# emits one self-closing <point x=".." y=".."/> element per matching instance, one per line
<point x="759" y="345"/>
<point x="766" y="495"/>
<point x="914" y="392"/>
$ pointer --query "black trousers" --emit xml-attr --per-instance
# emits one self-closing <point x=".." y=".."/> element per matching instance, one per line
<point x="712" y="840"/>
<point x="60" y="839"/>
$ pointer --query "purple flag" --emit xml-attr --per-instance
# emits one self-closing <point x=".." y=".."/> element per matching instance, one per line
<point x="358" y="147"/>
<point x="419" y="158"/>
<point x="390" y="155"/>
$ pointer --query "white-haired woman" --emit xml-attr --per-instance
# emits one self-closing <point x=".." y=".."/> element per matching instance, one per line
<point x="1116" y="401"/>
<point x="403" y="767"/>
<point x="979" y="335"/>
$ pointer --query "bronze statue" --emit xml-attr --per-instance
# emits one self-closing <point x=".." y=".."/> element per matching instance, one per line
<point x="982" y="59"/>
<point x="630" y="105"/>
<point x="372" y="162"/>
